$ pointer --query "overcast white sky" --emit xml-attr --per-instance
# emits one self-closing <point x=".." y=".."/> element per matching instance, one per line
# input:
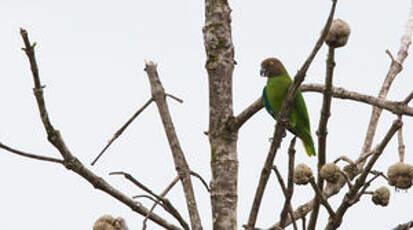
<point x="91" y="57"/>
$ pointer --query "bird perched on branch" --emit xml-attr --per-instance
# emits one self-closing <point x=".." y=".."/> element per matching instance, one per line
<point x="278" y="82"/>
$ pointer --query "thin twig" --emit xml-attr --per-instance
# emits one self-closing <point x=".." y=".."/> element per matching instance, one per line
<point x="368" y="193"/>
<point x="304" y="222"/>
<point x="167" y="206"/>
<point x="405" y="226"/>
<point x="280" y="180"/>
<point x="364" y="157"/>
<point x="30" y="155"/>
<point x="148" y="197"/>
<point x="395" y="68"/>
<point x="375" y="172"/>
<point x="285" y="192"/>
<point x="137" y="183"/>
<point x="175" y="98"/>
<point x="322" y="199"/>
<point x="201" y="179"/>
<point x="290" y="185"/>
<point x="401" y="142"/>
<point x="329" y="191"/>
<point x="347" y="179"/>
<point x="344" y="158"/>
<point x="162" y="194"/>
<point x="123" y="128"/>
<point x="408" y="98"/>
<point x="365" y="187"/>
<point x="283" y="120"/>
<point x="165" y="202"/>
<point x="70" y="161"/>
<point x="390" y="55"/>
<point x="352" y="195"/>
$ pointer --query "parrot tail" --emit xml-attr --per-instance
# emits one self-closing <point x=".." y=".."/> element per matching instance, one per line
<point x="308" y="144"/>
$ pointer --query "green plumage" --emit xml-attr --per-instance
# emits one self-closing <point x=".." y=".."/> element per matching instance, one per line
<point x="299" y="122"/>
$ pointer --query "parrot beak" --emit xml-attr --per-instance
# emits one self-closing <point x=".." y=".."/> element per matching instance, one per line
<point x="263" y="72"/>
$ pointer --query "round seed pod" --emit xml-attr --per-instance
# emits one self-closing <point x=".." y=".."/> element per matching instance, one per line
<point x="104" y="223"/>
<point x="330" y="172"/>
<point x="302" y="174"/>
<point x="381" y="196"/>
<point x="120" y="224"/>
<point x="351" y="170"/>
<point x="400" y="175"/>
<point x="108" y="222"/>
<point x="338" y="34"/>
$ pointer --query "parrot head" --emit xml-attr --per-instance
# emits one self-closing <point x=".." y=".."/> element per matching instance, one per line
<point x="271" y="67"/>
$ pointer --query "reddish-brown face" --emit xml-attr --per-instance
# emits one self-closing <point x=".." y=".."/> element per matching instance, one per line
<point x="271" y="67"/>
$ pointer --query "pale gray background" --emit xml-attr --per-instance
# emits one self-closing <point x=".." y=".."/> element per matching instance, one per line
<point x="91" y="56"/>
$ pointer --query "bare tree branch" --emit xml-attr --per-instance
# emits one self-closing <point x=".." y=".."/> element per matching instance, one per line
<point x="352" y="194"/>
<point x="285" y="192"/>
<point x="303" y="220"/>
<point x="337" y="92"/>
<point x="364" y="188"/>
<point x="182" y="168"/>
<point x="395" y="68"/>
<point x="290" y="185"/>
<point x="392" y="106"/>
<point x="162" y="194"/>
<point x="70" y="161"/>
<point x="165" y="202"/>
<point x="283" y="120"/>
<point x="149" y="198"/>
<point x="408" y="98"/>
<point x="405" y="226"/>
<point x="322" y="132"/>
<point x="123" y="128"/>
<point x="321" y="198"/>
<point x="175" y="98"/>
<point x="344" y="158"/>
<point x="137" y="183"/>
<point x="333" y="189"/>
<point x="201" y="179"/>
<point x="393" y="71"/>
<point x="30" y="155"/>
<point x="401" y="142"/>
<point x="347" y="178"/>
<point x="247" y="113"/>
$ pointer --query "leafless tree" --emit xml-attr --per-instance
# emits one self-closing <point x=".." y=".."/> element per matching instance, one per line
<point x="224" y="126"/>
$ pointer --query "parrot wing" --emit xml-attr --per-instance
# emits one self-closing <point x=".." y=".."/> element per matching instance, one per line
<point x="299" y="112"/>
<point x="266" y="103"/>
<point x="302" y="124"/>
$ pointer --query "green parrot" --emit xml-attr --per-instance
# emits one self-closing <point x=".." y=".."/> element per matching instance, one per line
<point x="273" y="94"/>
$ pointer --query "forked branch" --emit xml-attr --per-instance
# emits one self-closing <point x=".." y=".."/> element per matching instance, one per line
<point x="283" y="119"/>
<point x="182" y="168"/>
<point x="70" y="161"/>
